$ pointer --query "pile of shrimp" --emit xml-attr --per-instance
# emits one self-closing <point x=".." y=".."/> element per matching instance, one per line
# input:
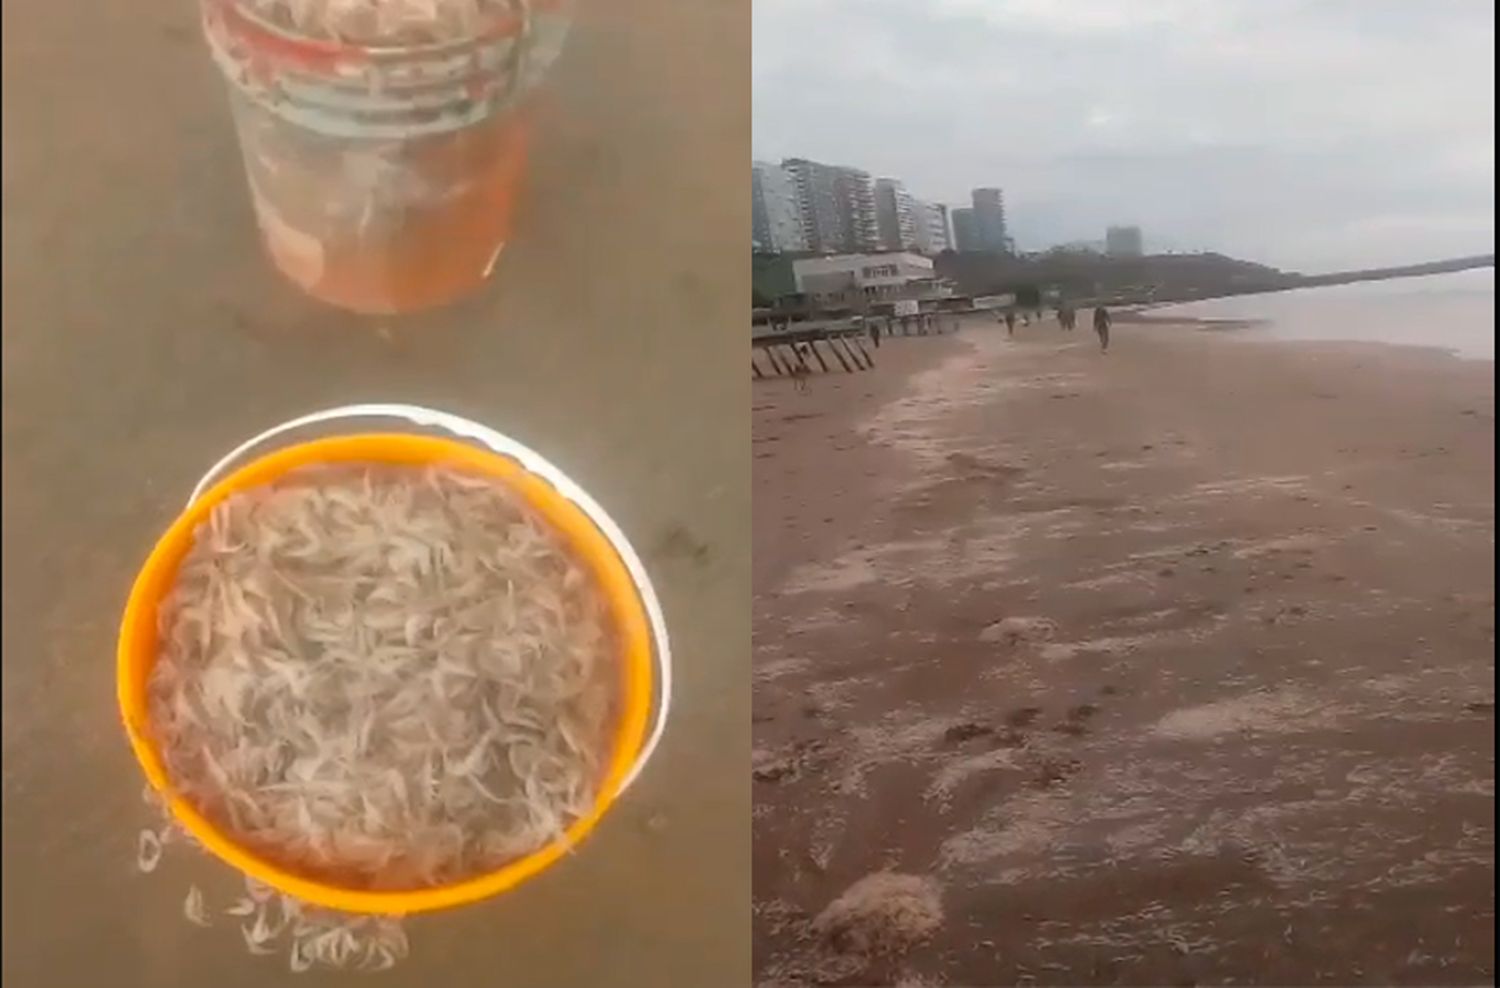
<point x="314" y="937"/>
<point x="383" y="677"/>
<point x="386" y="22"/>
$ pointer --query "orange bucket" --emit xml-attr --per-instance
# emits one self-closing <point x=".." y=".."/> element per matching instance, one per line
<point x="645" y="657"/>
<point x="384" y="178"/>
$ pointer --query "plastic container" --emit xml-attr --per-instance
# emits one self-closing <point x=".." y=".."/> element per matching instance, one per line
<point x="646" y="665"/>
<point x="384" y="179"/>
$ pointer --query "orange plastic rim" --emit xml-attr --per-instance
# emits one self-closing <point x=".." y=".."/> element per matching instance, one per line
<point x="137" y="655"/>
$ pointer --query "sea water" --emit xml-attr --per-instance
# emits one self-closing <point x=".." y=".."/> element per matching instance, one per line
<point x="1454" y="312"/>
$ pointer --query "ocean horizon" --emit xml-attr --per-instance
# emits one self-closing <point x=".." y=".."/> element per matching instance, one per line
<point x="1453" y="312"/>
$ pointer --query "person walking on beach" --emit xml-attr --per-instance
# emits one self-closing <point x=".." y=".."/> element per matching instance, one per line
<point x="1101" y="326"/>
<point x="800" y="370"/>
<point x="875" y="333"/>
<point x="1010" y="322"/>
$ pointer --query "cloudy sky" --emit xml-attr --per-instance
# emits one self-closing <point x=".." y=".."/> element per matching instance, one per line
<point x="1308" y="134"/>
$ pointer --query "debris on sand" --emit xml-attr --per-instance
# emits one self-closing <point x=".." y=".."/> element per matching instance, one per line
<point x="959" y="733"/>
<point x="1284" y="711"/>
<point x="1054" y="770"/>
<point x="777" y="915"/>
<point x="787" y="764"/>
<point x="1023" y="716"/>
<point x="913" y="980"/>
<point x="859" y="938"/>
<point x="772" y="768"/>
<point x="880" y="916"/>
<point x="1019" y="630"/>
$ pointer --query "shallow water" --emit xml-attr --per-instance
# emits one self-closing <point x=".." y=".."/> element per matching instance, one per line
<point x="1455" y="312"/>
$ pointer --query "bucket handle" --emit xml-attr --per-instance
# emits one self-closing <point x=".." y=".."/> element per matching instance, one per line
<point x="534" y="463"/>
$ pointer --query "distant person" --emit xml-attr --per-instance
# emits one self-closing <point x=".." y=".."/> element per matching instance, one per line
<point x="1010" y="322"/>
<point x="875" y="333"/>
<point x="1101" y="326"/>
<point x="800" y="370"/>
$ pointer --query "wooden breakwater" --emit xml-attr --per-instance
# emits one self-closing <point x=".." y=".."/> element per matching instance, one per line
<point x="809" y="350"/>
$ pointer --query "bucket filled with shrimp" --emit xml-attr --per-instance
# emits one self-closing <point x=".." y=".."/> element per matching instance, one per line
<point x="385" y="141"/>
<point x="393" y="670"/>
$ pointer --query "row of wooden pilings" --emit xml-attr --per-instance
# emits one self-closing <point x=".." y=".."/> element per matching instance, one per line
<point x="792" y="353"/>
<point x="795" y="353"/>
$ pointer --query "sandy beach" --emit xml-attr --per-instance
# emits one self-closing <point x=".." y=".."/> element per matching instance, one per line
<point x="1167" y="666"/>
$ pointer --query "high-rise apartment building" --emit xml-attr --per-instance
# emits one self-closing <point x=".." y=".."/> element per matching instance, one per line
<point x="775" y="220"/>
<point x="1123" y="241"/>
<point x="965" y="230"/>
<point x="989" y="220"/>
<point x="932" y="234"/>
<point x="837" y="206"/>
<point x="817" y="202"/>
<point x="857" y="210"/>
<point x="896" y="215"/>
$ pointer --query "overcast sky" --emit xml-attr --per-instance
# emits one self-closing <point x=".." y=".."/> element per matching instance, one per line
<point x="1307" y="134"/>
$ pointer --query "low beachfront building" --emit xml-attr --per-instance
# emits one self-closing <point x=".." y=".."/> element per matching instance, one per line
<point x="871" y="277"/>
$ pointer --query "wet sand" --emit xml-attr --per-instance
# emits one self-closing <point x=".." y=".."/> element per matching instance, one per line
<point x="1169" y="666"/>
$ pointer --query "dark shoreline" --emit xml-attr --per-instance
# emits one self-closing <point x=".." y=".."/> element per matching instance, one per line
<point x="1137" y="317"/>
<point x="1296" y="282"/>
